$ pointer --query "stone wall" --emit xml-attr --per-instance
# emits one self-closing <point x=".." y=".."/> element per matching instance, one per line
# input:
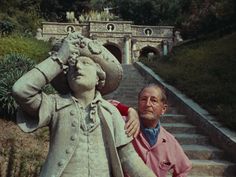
<point x="130" y="39"/>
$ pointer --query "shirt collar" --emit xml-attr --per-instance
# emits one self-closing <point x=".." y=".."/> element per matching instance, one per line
<point x="96" y="100"/>
<point x="63" y="101"/>
<point x="66" y="100"/>
<point x="151" y="134"/>
<point x="162" y="137"/>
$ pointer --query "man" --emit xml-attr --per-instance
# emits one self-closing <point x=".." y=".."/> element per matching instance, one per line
<point x="158" y="148"/>
<point x="87" y="137"/>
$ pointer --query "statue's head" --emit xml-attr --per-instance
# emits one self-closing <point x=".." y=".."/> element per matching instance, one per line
<point x="84" y="74"/>
<point x="93" y="62"/>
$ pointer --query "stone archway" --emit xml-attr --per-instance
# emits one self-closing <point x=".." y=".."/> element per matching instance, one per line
<point x="145" y="51"/>
<point x="115" y="50"/>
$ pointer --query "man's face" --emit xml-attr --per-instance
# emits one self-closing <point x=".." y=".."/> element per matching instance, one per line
<point x="150" y="106"/>
<point x="82" y="75"/>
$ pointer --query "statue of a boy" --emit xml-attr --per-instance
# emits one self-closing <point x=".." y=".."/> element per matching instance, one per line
<point x="87" y="137"/>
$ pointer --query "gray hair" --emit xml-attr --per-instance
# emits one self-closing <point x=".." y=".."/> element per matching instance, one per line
<point x="157" y="87"/>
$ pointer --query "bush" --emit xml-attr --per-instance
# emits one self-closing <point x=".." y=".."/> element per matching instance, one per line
<point x="24" y="19"/>
<point x="12" y="67"/>
<point x="6" y="27"/>
<point x="29" y="47"/>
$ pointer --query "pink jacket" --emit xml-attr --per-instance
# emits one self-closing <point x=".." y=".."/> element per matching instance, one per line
<point x="164" y="156"/>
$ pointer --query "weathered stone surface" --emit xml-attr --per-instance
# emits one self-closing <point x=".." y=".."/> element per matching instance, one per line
<point x="125" y="39"/>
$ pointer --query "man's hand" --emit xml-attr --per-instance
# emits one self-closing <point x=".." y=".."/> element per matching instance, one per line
<point x="132" y="126"/>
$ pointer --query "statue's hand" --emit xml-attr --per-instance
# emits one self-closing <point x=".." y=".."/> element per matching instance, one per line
<point x="69" y="47"/>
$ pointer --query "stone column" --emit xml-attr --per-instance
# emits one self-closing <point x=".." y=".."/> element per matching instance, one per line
<point x="165" y="48"/>
<point x="134" y="51"/>
<point x="127" y="56"/>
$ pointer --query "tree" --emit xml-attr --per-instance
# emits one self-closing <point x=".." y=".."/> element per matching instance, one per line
<point x="55" y="10"/>
<point x="206" y="16"/>
<point x="22" y="15"/>
<point x="149" y="12"/>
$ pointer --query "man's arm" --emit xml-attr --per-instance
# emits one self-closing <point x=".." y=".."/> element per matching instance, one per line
<point x="123" y="109"/>
<point x="132" y="125"/>
<point x="132" y="164"/>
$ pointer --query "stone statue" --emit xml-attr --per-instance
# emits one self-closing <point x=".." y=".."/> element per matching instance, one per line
<point x="87" y="137"/>
<point x="178" y="37"/>
<point x="70" y="29"/>
<point x="39" y="34"/>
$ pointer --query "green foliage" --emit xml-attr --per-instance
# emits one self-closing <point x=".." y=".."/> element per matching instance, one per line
<point x="150" y="12"/>
<point x="6" y="28"/>
<point x="203" y="17"/>
<point x="191" y="17"/>
<point x="16" y="52"/>
<point x="25" y="16"/>
<point x="12" y="67"/>
<point x="29" y="47"/>
<point x="205" y="71"/>
<point x="56" y="10"/>
<point x="95" y="15"/>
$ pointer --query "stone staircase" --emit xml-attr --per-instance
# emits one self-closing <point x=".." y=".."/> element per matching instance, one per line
<point x="207" y="160"/>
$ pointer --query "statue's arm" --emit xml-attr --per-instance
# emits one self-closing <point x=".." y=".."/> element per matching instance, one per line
<point x="27" y="90"/>
<point x="132" y="164"/>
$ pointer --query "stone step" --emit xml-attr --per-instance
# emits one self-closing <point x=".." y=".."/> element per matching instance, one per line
<point x="203" y="152"/>
<point x="205" y="158"/>
<point x="173" y="118"/>
<point x="133" y="97"/>
<point x="213" y="168"/>
<point x="127" y="98"/>
<point x="129" y="83"/>
<point x="175" y="128"/>
<point x="129" y="90"/>
<point x="187" y="139"/>
<point x="171" y="110"/>
<point x="132" y="78"/>
<point x="128" y="68"/>
<point x="130" y="103"/>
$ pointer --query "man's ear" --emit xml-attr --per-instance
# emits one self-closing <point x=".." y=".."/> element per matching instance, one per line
<point x="164" y="108"/>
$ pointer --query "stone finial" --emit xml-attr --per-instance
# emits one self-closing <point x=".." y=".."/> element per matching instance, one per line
<point x="39" y="34"/>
